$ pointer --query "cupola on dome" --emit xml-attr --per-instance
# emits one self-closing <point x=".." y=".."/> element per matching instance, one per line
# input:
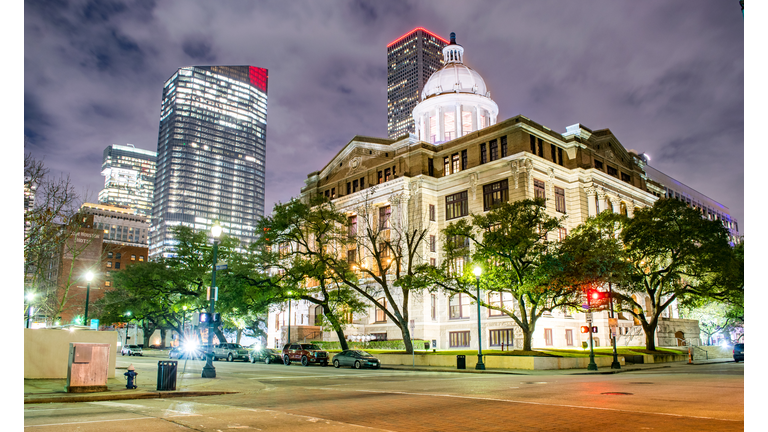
<point x="454" y="101"/>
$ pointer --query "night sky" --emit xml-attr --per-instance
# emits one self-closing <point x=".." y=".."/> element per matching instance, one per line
<point x="667" y="77"/>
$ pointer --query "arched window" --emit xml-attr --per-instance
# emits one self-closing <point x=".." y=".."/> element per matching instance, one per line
<point x="623" y="209"/>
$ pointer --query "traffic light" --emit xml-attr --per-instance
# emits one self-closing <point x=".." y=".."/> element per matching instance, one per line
<point x="594" y="329"/>
<point x="596" y="296"/>
<point x="584" y="329"/>
<point x="217" y="318"/>
<point x="205" y="317"/>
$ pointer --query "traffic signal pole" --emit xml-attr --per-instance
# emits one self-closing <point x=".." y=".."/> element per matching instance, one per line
<point x="615" y="363"/>
<point x="592" y="365"/>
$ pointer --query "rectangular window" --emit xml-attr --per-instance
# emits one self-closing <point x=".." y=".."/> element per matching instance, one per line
<point x="538" y="189"/>
<point x="562" y="233"/>
<point x="141" y="257"/>
<point x="351" y="256"/>
<point x="381" y="316"/>
<point x="349" y="188"/>
<point x="598" y="164"/>
<point x="548" y="337"/>
<point x="381" y="177"/>
<point x="432" y="212"/>
<point x="133" y="257"/>
<point x="432" y="244"/>
<point x="553" y="151"/>
<point x="394" y="172"/>
<point x="433" y="306"/>
<point x="569" y="337"/>
<point x="433" y="129"/>
<point x="626" y="178"/>
<point x="559" y="199"/>
<point x="541" y="148"/>
<point x="118" y="255"/>
<point x="495" y="194"/>
<point x="109" y="254"/>
<point x="109" y="264"/>
<point x="533" y="144"/>
<point x="458" y="339"/>
<point x="447" y="168"/>
<point x="501" y="337"/>
<point x="455" y="167"/>
<point x="384" y="213"/>
<point x="328" y="193"/>
<point x="503" y="300"/>
<point x="352" y="224"/>
<point x="379" y="336"/>
<point x="483" y="155"/>
<point x="504" y="146"/>
<point x="107" y="283"/>
<point x="459" y="306"/>
<point x="466" y="122"/>
<point x="431" y="167"/>
<point x="456" y="205"/>
<point x="450" y="125"/>
<point x="362" y="183"/>
<point x="463" y="159"/>
<point x="117" y="265"/>
<point x="612" y="171"/>
<point x="493" y="146"/>
<point x="387" y="174"/>
<point x="433" y="262"/>
<point x="354" y="185"/>
<point x="333" y="193"/>
<point x="560" y="156"/>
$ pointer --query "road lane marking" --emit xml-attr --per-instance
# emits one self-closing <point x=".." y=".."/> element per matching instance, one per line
<point x="94" y="421"/>
<point x="526" y="402"/>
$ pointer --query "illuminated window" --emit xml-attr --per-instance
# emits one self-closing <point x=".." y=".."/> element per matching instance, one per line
<point x="459" y="306"/>
<point x="538" y="189"/>
<point x="109" y="264"/>
<point x="569" y="337"/>
<point x="562" y="233"/>
<point x="384" y="214"/>
<point x="381" y="316"/>
<point x="107" y="283"/>
<point x="455" y="166"/>
<point x="352" y="224"/>
<point x="450" y="125"/>
<point x="466" y="122"/>
<point x="559" y="199"/>
<point x="495" y="194"/>
<point x="548" y="337"/>
<point x="502" y="300"/>
<point x="458" y="339"/>
<point x="501" y="337"/>
<point x="456" y="205"/>
<point x="133" y="257"/>
<point x="432" y="212"/>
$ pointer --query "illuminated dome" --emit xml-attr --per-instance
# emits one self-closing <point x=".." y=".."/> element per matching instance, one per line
<point x="454" y="101"/>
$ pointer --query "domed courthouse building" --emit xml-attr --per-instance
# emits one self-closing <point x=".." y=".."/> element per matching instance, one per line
<point x="461" y="160"/>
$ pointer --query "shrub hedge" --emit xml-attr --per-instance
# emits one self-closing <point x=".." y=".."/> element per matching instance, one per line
<point x="388" y="344"/>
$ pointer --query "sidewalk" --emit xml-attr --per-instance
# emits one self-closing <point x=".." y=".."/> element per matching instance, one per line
<point x="189" y="383"/>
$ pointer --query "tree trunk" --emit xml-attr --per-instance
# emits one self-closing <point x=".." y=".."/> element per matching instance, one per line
<point x="336" y="326"/>
<point x="148" y="329"/>
<point x="162" y="338"/>
<point x="650" y="332"/>
<point x="239" y="334"/>
<point x="219" y="335"/>
<point x="407" y="338"/>
<point x="527" y="340"/>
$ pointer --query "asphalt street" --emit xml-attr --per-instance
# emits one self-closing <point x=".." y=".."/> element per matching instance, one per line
<point x="277" y="397"/>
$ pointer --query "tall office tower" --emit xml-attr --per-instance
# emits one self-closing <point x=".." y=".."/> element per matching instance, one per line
<point x="411" y="60"/>
<point x="210" y="153"/>
<point x="129" y="178"/>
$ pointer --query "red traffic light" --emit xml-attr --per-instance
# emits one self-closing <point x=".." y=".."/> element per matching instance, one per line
<point x="595" y="295"/>
<point x="584" y="329"/>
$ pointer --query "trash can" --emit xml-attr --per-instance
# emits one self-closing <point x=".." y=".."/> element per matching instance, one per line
<point x="166" y="375"/>
<point x="426" y="346"/>
<point x="461" y="362"/>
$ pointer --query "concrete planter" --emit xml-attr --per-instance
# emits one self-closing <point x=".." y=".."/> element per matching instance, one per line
<point x="498" y="362"/>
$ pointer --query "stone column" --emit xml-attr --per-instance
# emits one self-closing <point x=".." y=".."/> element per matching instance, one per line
<point x="457" y="122"/>
<point x="440" y="124"/>
<point x="591" y="197"/>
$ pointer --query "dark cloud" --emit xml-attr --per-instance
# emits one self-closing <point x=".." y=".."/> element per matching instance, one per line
<point x="199" y="49"/>
<point x="666" y="77"/>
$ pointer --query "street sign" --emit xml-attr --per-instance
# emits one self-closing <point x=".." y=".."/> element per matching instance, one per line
<point x="94" y="324"/>
<point x="221" y="267"/>
<point x="589" y="316"/>
<point x="413" y="325"/>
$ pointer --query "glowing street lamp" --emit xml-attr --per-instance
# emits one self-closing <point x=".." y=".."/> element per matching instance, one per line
<point x="89" y="278"/>
<point x="477" y="271"/>
<point x="208" y="370"/>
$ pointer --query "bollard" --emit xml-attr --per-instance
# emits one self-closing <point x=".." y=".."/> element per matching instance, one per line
<point x="690" y="355"/>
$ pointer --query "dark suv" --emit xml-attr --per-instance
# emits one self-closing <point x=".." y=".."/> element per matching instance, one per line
<point x="738" y="352"/>
<point x="305" y="353"/>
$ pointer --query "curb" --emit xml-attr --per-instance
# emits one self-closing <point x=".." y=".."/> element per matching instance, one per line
<point x="535" y="372"/>
<point x="123" y="396"/>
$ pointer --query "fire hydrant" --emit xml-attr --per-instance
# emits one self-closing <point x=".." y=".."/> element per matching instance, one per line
<point x="131" y="377"/>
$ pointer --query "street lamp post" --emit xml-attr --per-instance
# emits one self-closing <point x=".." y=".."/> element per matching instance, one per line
<point x="615" y="363"/>
<point x="184" y="322"/>
<point x="480" y="365"/>
<point x="127" y="327"/>
<point x="289" y="318"/>
<point x="30" y="296"/>
<point x="208" y="370"/>
<point x="88" y="277"/>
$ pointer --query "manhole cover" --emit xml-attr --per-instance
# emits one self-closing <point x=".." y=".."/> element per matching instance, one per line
<point x="616" y="393"/>
<point x="534" y="382"/>
<point x="641" y="383"/>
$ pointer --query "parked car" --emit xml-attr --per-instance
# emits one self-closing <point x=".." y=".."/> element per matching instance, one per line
<point x="738" y="352"/>
<point x="266" y="355"/>
<point x="305" y="353"/>
<point x="131" y="350"/>
<point x="230" y="351"/>
<point x="358" y="359"/>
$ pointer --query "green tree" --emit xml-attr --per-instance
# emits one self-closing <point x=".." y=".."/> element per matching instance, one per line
<point x="302" y="243"/>
<point x="513" y="243"/>
<point x="675" y="254"/>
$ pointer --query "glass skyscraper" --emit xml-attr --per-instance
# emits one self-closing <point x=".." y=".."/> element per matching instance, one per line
<point x="211" y="153"/>
<point x="411" y="60"/>
<point x="129" y="178"/>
